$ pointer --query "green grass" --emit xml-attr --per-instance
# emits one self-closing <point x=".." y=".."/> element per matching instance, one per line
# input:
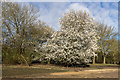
<point x="105" y="65"/>
<point x="102" y="64"/>
<point x="16" y="71"/>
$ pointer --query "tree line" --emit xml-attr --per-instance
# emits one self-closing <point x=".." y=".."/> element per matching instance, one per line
<point x="25" y="38"/>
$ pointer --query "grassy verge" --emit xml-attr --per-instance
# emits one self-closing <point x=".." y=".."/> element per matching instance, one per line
<point x="104" y="64"/>
<point x="8" y="71"/>
<point x="17" y="70"/>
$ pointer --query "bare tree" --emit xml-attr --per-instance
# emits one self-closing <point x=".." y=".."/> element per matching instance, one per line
<point x="107" y="36"/>
<point x="23" y="28"/>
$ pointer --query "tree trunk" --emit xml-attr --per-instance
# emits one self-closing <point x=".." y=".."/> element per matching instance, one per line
<point x="104" y="59"/>
<point x="93" y="59"/>
<point x="114" y="62"/>
<point x="48" y="61"/>
<point x="25" y="60"/>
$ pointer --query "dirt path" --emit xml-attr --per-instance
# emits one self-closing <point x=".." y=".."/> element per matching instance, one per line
<point x="55" y="72"/>
<point x="100" y="73"/>
<point x="85" y="72"/>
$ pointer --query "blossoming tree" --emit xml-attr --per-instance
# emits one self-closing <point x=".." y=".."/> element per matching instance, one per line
<point x="76" y="42"/>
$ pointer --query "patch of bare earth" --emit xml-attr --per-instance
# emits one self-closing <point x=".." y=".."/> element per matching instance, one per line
<point x="99" y="73"/>
<point x="51" y="71"/>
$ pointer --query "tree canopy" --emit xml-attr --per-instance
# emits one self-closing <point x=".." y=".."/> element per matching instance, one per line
<point x="76" y="42"/>
<point x="22" y="30"/>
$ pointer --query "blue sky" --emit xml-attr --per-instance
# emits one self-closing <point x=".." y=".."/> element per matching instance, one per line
<point x="106" y="12"/>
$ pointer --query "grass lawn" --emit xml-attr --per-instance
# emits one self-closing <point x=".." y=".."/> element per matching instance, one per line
<point x="45" y="70"/>
<point x="104" y="64"/>
<point x="8" y="71"/>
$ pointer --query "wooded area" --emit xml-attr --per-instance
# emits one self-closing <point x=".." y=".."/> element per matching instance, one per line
<point x="26" y="39"/>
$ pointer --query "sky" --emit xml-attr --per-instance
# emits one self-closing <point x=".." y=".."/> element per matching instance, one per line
<point x="104" y="12"/>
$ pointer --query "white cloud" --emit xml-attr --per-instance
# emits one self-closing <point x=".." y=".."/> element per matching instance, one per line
<point x="77" y="6"/>
<point x="106" y="14"/>
<point x="102" y="14"/>
<point x="51" y="16"/>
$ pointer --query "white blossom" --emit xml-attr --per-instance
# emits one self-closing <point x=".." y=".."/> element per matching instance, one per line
<point x="76" y="42"/>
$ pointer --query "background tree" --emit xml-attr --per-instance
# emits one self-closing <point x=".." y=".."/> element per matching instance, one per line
<point x="107" y="37"/>
<point x="118" y="49"/>
<point x="22" y="31"/>
<point x="75" y="43"/>
<point x="114" y="50"/>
